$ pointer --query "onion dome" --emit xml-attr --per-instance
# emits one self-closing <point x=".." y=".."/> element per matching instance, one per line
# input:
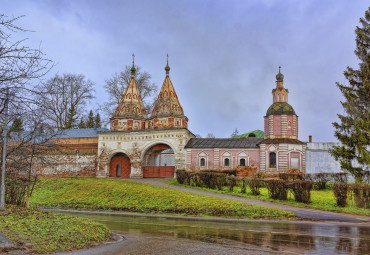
<point x="280" y="108"/>
<point x="279" y="76"/>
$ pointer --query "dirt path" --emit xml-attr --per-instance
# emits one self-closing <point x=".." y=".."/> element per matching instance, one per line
<point x="300" y="212"/>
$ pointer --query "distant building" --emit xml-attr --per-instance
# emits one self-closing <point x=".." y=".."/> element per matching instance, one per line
<point x="275" y="150"/>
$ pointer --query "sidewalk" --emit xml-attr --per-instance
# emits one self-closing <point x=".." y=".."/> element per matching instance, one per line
<point x="300" y="212"/>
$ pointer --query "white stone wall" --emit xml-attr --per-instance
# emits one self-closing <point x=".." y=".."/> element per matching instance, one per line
<point x="319" y="160"/>
<point x="135" y="145"/>
<point x="66" y="165"/>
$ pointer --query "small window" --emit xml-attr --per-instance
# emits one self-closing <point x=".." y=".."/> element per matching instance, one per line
<point x="242" y="162"/>
<point x="118" y="171"/>
<point x="202" y="162"/>
<point x="227" y="162"/>
<point x="252" y="135"/>
<point x="272" y="160"/>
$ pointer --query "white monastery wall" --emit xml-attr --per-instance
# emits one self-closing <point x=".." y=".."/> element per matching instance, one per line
<point x="136" y="144"/>
<point x="319" y="160"/>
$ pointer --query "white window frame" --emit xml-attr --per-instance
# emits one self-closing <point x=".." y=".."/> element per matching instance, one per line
<point x="243" y="155"/>
<point x="205" y="157"/>
<point x="227" y="155"/>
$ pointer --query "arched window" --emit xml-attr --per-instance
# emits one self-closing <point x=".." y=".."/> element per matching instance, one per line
<point x="289" y="124"/>
<point x="226" y="156"/>
<point x="272" y="160"/>
<point x="242" y="162"/>
<point x="202" y="162"/>
<point x="203" y="159"/>
<point x="227" y="162"/>
<point x="252" y="135"/>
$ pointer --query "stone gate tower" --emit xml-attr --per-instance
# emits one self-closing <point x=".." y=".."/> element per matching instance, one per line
<point x="140" y="146"/>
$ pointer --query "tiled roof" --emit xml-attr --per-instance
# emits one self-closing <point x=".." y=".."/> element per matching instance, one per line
<point x="258" y="134"/>
<point x="281" y="140"/>
<point x="223" y="143"/>
<point x="131" y="104"/>
<point x="79" y="132"/>
<point x="167" y="102"/>
<point x="280" y="108"/>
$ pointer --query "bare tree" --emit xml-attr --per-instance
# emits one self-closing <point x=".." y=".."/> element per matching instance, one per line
<point x="19" y="65"/>
<point x="27" y="151"/>
<point x="117" y="85"/>
<point x="234" y="133"/>
<point x="210" y="135"/>
<point x="20" y="68"/>
<point x="64" y="97"/>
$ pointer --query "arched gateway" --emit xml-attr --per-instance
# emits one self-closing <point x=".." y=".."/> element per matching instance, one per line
<point x="159" y="161"/>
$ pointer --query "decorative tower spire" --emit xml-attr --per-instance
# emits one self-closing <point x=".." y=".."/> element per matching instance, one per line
<point x="167" y="111"/>
<point x="131" y="104"/>
<point x="133" y="70"/>
<point x="167" y="68"/>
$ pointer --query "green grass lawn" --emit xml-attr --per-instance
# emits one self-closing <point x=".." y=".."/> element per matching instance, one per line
<point x="321" y="199"/>
<point x="49" y="232"/>
<point x="122" y="195"/>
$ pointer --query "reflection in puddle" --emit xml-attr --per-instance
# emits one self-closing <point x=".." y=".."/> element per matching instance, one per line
<point x="269" y="236"/>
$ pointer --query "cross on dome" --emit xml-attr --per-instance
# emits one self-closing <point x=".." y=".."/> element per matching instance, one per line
<point x="133" y="66"/>
<point x="167" y="68"/>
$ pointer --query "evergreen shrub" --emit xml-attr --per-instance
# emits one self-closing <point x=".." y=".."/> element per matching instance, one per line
<point x="278" y="189"/>
<point x="340" y="190"/>
<point x="319" y="180"/>
<point x="361" y="193"/>
<point x="244" y="186"/>
<point x="301" y="190"/>
<point x="181" y="176"/>
<point x="231" y="182"/>
<point x="340" y="177"/>
<point x="254" y="184"/>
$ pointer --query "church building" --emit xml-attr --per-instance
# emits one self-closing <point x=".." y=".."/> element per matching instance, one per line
<point x="156" y="145"/>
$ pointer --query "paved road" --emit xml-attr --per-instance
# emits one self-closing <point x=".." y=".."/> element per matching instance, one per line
<point x="299" y="212"/>
<point x="164" y="245"/>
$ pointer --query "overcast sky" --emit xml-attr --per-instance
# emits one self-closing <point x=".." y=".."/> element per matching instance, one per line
<point x="224" y="55"/>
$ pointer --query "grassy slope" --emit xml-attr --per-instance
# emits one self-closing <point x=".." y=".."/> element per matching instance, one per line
<point x="49" y="232"/>
<point x="110" y="194"/>
<point x="321" y="199"/>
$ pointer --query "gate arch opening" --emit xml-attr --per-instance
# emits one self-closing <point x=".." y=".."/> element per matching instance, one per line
<point x="120" y="166"/>
<point x="159" y="161"/>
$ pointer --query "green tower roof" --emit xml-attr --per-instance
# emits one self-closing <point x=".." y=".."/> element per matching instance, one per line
<point x="254" y="134"/>
<point x="280" y="108"/>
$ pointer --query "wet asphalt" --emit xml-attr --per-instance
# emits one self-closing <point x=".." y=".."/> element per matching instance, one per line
<point x="300" y="212"/>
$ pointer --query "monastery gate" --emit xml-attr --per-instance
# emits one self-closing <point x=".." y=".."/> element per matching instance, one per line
<point x="155" y="153"/>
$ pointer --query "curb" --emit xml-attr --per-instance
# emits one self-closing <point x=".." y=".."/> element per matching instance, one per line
<point x="194" y="218"/>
